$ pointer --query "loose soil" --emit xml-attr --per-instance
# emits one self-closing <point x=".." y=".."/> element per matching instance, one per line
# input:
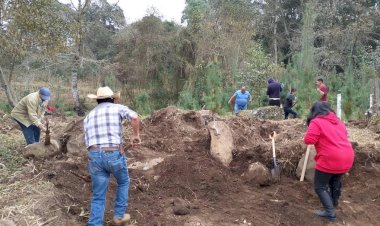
<point x="216" y="195"/>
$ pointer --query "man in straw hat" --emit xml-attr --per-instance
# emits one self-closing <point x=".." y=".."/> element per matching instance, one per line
<point x="103" y="136"/>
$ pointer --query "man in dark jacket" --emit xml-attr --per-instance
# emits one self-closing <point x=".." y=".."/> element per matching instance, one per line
<point x="273" y="91"/>
<point x="289" y="103"/>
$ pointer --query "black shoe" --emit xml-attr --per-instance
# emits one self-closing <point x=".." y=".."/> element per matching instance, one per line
<point x="325" y="214"/>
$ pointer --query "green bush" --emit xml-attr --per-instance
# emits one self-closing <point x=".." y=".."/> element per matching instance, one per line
<point x="5" y="106"/>
<point x="142" y="103"/>
<point x="187" y="101"/>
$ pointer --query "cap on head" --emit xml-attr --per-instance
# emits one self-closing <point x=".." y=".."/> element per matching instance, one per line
<point x="45" y="93"/>
<point x="102" y="93"/>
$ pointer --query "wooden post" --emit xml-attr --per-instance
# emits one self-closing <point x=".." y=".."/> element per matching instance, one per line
<point x="339" y="105"/>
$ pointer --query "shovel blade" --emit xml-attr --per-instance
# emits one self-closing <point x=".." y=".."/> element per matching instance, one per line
<point x="276" y="174"/>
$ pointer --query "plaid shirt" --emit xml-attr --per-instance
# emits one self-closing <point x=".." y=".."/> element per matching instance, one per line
<point x="103" y="125"/>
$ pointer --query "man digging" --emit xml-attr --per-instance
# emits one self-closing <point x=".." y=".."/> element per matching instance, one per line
<point x="29" y="112"/>
<point x="103" y="137"/>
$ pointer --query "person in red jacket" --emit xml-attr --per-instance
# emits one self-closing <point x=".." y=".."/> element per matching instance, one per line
<point x="335" y="155"/>
<point x="322" y="89"/>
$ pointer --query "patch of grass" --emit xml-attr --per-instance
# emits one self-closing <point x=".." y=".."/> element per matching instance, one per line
<point x="12" y="160"/>
<point x="5" y="107"/>
<point x="9" y="156"/>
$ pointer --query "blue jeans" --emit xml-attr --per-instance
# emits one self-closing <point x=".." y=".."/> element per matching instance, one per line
<point x="288" y="111"/>
<point x="238" y="108"/>
<point x="31" y="133"/>
<point x="100" y="165"/>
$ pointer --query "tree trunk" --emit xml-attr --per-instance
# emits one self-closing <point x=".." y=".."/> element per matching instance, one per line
<point x="275" y="34"/>
<point x="78" y="56"/>
<point x="74" y="87"/>
<point x="10" y="77"/>
<point x="7" y="89"/>
<point x="376" y="96"/>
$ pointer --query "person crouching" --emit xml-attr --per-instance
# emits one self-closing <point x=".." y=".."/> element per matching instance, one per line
<point x="334" y="157"/>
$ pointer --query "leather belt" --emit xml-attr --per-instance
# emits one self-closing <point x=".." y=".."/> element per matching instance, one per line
<point x="97" y="148"/>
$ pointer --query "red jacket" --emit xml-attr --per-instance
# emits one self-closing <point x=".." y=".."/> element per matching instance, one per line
<point x="323" y="88"/>
<point x="334" y="151"/>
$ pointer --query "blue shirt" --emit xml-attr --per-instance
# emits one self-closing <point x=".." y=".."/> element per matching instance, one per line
<point x="103" y="127"/>
<point x="241" y="99"/>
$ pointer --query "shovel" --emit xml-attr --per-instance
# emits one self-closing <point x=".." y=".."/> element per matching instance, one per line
<point x="275" y="171"/>
<point x="305" y="163"/>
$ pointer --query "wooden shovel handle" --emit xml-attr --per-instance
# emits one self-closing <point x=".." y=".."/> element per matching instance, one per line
<point x="305" y="162"/>
<point x="273" y="137"/>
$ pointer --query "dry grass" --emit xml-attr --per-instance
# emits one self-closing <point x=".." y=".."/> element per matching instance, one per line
<point x="23" y="201"/>
<point x="363" y="136"/>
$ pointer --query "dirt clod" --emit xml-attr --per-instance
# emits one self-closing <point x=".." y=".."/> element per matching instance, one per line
<point x="257" y="174"/>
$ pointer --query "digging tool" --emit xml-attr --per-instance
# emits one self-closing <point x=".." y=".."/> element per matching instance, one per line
<point x="47" y="136"/>
<point x="305" y="162"/>
<point x="275" y="171"/>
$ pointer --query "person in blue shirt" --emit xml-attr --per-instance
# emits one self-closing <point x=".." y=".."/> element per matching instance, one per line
<point x="241" y="97"/>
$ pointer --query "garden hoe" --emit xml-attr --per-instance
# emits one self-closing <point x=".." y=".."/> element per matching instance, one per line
<point x="275" y="171"/>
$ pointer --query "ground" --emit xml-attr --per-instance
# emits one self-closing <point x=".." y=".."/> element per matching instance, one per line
<point x="173" y="162"/>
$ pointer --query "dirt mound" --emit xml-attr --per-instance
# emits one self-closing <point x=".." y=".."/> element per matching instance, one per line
<point x="253" y="144"/>
<point x="174" y="163"/>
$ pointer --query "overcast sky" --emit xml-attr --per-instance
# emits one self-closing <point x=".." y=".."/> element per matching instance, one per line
<point x="136" y="9"/>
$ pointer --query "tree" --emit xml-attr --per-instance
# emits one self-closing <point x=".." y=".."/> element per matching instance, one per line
<point x="28" y="26"/>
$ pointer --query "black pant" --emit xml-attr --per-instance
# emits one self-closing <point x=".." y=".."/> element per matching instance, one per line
<point x="274" y="102"/>
<point x="328" y="188"/>
<point x="288" y="111"/>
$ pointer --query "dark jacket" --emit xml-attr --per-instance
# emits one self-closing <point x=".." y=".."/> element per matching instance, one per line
<point x="289" y="101"/>
<point x="274" y="89"/>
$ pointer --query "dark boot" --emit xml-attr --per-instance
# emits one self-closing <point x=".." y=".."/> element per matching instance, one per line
<point x="335" y="192"/>
<point x="325" y="214"/>
<point x="326" y="200"/>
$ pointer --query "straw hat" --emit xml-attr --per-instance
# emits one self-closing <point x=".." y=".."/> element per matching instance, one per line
<point x="103" y="93"/>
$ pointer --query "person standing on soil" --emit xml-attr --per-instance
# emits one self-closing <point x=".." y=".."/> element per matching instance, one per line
<point x="29" y="112"/>
<point x="289" y="103"/>
<point x="241" y="98"/>
<point x="322" y="89"/>
<point x="103" y="137"/>
<point x="334" y="157"/>
<point x="273" y="91"/>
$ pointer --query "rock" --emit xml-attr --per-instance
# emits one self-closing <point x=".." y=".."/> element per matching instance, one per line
<point x="40" y="150"/>
<point x="76" y="145"/>
<point x="374" y="124"/>
<point x="181" y="210"/>
<point x="180" y="202"/>
<point x="258" y="174"/>
<point x="221" y="142"/>
<point x="310" y="167"/>
<point x="6" y="222"/>
<point x="181" y="207"/>
<point x="264" y="113"/>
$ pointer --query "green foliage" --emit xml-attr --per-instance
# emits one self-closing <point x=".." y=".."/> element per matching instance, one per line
<point x="186" y="100"/>
<point x="142" y="103"/>
<point x="110" y="81"/>
<point x="254" y="73"/>
<point x="12" y="160"/>
<point x="5" y="107"/>
<point x="9" y="155"/>
<point x="213" y="93"/>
